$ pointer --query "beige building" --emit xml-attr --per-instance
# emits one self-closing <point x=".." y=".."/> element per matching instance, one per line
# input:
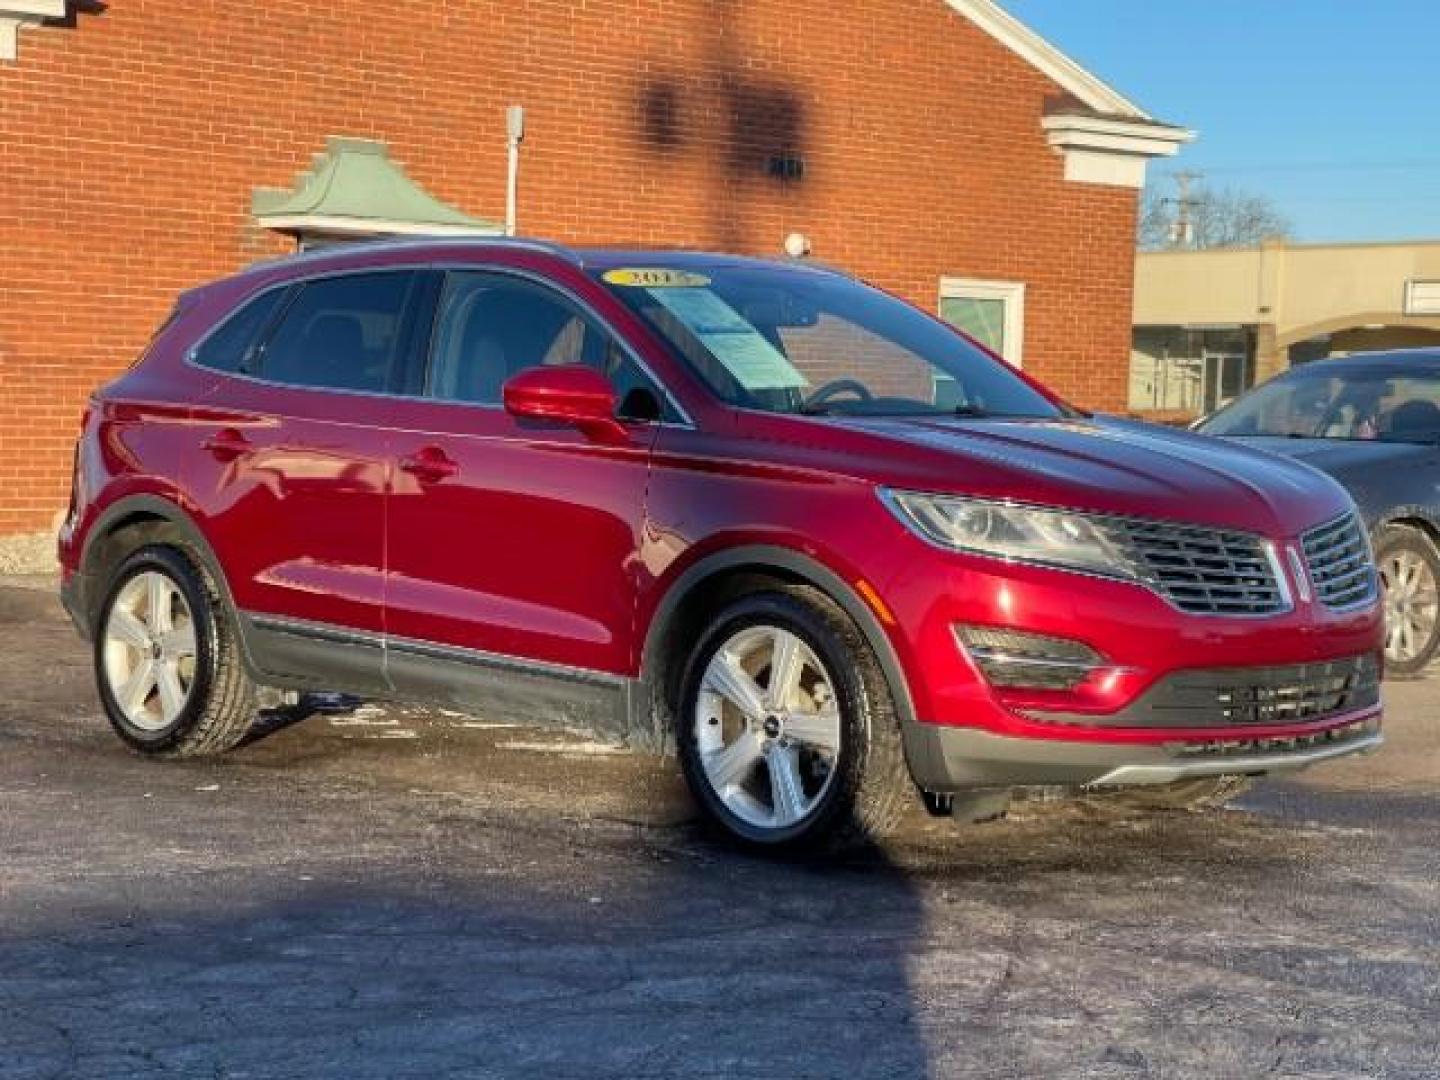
<point x="1211" y="324"/>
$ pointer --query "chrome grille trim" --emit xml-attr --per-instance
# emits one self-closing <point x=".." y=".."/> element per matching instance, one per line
<point x="1342" y="569"/>
<point x="1201" y="570"/>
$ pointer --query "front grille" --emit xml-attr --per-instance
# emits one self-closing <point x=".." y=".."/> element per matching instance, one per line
<point x="1340" y="565"/>
<point x="1199" y="570"/>
<point x="1282" y="695"/>
<point x="1222" y="697"/>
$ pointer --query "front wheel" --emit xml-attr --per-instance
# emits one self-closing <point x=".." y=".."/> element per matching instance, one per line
<point x="167" y="659"/>
<point x="787" y="729"/>
<point x="1410" y="571"/>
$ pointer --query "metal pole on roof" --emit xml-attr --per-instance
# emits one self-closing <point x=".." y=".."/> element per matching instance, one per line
<point x="514" y="132"/>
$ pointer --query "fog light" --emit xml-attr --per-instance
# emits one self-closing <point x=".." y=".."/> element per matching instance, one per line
<point x="1012" y="658"/>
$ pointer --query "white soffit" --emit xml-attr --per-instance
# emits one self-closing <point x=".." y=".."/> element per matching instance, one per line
<point x="17" y="13"/>
<point x="1099" y="150"/>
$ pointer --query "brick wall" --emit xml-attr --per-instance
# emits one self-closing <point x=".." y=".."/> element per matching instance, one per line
<point x="130" y="143"/>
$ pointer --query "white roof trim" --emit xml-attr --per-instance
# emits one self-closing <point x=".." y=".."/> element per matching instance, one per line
<point x="1102" y="133"/>
<point x="1033" y="48"/>
<point x="326" y="225"/>
<point x="1102" y="150"/>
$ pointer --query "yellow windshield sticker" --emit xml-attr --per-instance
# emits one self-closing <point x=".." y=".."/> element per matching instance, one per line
<point x="655" y="278"/>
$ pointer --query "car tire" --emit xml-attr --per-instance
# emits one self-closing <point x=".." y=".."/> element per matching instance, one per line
<point x="167" y="659"/>
<point x="815" y="762"/>
<point x="1194" y="796"/>
<point x="1410" y="574"/>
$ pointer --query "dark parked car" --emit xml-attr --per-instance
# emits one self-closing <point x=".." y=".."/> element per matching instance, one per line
<point x="808" y="535"/>
<point x="1373" y="423"/>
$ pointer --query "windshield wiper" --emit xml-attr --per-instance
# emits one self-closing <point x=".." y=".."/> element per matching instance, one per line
<point x="976" y="412"/>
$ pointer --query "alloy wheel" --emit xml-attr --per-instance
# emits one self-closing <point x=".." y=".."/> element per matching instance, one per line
<point x="767" y="727"/>
<point x="1412" y="604"/>
<point x="149" y="652"/>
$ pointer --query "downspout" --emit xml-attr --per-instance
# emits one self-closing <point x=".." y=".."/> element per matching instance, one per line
<point x="514" y="132"/>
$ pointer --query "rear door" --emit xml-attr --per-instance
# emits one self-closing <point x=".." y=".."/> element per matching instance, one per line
<point x="290" y="481"/>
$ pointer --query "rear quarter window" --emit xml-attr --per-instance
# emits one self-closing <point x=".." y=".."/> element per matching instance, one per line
<point x="231" y="346"/>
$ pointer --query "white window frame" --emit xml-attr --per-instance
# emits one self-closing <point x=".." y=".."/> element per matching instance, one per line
<point x="1418" y="296"/>
<point x="1012" y="293"/>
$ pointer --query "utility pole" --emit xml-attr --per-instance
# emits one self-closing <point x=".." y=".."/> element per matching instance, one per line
<point x="1183" y="233"/>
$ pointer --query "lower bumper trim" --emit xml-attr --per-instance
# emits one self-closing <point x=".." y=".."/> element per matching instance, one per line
<point x="1243" y="765"/>
<point x="946" y="759"/>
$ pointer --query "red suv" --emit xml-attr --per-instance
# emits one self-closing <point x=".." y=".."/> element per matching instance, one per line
<point x="812" y="539"/>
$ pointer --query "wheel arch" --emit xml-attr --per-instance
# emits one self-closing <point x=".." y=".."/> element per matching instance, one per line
<point x="712" y="580"/>
<point x="1411" y="517"/>
<point x="153" y="519"/>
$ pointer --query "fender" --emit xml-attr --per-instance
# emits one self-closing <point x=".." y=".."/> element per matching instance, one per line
<point x="81" y="593"/>
<point x="650" y="719"/>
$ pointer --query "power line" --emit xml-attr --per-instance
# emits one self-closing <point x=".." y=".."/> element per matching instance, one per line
<point x="1329" y="166"/>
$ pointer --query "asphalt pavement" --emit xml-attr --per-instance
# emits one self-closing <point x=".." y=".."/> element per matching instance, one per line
<point x="408" y="893"/>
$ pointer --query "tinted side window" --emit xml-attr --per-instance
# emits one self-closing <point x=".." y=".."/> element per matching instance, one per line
<point x="493" y="326"/>
<point x="231" y="347"/>
<point x="340" y="333"/>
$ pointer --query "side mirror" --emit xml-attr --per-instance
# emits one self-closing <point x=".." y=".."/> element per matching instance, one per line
<point x="568" y="394"/>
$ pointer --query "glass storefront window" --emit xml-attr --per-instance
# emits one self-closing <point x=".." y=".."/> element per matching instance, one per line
<point x="1177" y="369"/>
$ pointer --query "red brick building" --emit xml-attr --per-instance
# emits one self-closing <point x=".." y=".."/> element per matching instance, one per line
<point x="936" y="147"/>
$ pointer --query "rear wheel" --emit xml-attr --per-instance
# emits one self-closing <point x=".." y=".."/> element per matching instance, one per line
<point x="167" y="659"/>
<point x="1410" y="570"/>
<point x="788" y="734"/>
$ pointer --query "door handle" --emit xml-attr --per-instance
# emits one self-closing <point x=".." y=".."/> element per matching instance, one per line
<point x="429" y="465"/>
<point x="227" y="445"/>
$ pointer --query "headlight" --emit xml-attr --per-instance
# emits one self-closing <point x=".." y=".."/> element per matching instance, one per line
<point x="1022" y="533"/>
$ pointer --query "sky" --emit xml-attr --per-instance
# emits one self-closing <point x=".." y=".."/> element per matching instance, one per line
<point x="1330" y="107"/>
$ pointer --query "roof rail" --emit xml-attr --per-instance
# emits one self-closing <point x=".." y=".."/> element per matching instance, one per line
<point x="547" y="247"/>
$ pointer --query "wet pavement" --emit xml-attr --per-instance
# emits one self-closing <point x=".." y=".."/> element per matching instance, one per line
<point x="404" y="893"/>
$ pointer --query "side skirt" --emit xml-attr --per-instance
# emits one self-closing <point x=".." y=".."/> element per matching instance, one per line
<point x="311" y="656"/>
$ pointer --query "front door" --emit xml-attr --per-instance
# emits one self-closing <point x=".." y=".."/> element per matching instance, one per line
<point x="1224" y="378"/>
<point x="510" y="543"/>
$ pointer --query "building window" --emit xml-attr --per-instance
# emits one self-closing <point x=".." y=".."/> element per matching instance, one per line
<point x="1177" y="369"/>
<point x="992" y="312"/>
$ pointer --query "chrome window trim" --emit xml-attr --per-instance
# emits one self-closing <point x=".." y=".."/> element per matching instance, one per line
<point x="190" y="360"/>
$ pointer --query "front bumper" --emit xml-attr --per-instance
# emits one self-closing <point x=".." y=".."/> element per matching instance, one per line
<point x="951" y="759"/>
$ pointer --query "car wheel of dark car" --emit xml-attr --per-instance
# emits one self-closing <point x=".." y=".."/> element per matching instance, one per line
<point x="167" y="659"/>
<point x="788" y="734"/>
<point x="1410" y="569"/>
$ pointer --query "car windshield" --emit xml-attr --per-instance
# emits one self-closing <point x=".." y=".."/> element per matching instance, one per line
<point x="800" y="340"/>
<point x="1350" y="402"/>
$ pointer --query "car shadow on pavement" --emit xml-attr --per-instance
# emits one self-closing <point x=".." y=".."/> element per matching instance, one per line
<point x="421" y="894"/>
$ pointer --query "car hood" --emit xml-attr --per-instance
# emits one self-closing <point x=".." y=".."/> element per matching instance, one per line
<point x="1112" y="466"/>
<point x="1340" y="458"/>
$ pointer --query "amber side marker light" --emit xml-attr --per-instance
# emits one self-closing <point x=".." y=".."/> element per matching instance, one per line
<point x="867" y="591"/>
